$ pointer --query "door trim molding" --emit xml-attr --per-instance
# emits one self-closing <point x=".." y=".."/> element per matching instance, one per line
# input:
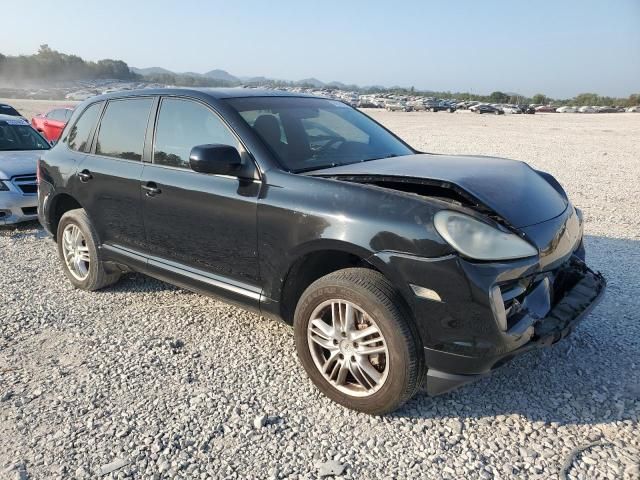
<point x="217" y="281"/>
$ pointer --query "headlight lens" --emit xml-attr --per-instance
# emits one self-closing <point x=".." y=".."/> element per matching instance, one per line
<point x="475" y="239"/>
<point x="3" y="187"/>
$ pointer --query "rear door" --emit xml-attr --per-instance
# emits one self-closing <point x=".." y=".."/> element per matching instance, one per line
<point x="205" y="223"/>
<point x="108" y="179"/>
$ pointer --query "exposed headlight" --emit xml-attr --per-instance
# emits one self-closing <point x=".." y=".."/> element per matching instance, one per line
<point x="475" y="239"/>
<point x="3" y="187"/>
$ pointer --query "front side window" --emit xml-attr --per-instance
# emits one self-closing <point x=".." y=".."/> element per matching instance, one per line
<point x="123" y="128"/>
<point x="313" y="133"/>
<point x="78" y="137"/>
<point x="182" y="125"/>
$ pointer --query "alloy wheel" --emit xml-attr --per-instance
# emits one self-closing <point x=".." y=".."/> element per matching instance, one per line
<point x="348" y="348"/>
<point x="75" y="251"/>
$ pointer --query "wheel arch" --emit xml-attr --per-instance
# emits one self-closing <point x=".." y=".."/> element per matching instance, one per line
<point x="59" y="205"/>
<point x="315" y="260"/>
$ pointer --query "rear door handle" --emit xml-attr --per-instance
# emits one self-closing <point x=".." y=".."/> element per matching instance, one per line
<point x="85" y="176"/>
<point x="151" y="189"/>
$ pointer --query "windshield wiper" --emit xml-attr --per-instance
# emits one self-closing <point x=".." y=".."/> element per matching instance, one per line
<point x="388" y="155"/>
<point x="331" y="165"/>
<point x="319" y="167"/>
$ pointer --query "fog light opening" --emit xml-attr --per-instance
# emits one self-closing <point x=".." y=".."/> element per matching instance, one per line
<point x="497" y="305"/>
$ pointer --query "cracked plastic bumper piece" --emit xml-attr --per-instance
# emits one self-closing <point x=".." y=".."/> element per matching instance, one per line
<point x="576" y="290"/>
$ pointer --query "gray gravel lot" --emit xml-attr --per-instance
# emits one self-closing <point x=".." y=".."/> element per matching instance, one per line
<point x="145" y="380"/>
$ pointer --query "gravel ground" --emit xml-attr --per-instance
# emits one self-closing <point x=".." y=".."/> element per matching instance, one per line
<point x="145" y="380"/>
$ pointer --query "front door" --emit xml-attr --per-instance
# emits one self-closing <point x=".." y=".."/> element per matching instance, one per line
<point x="206" y="223"/>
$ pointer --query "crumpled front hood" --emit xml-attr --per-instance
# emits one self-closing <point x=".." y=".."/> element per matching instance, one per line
<point x="512" y="189"/>
<point x="18" y="163"/>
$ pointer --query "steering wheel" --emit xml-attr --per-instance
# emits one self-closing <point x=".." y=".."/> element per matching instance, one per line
<point x="332" y="141"/>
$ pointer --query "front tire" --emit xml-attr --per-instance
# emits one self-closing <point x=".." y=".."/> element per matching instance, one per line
<point x="356" y="341"/>
<point x="79" y="254"/>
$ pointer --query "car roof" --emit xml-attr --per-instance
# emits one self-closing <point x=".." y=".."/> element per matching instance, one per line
<point x="216" y="93"/>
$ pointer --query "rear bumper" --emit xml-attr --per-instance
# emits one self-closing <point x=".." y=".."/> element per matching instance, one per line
<point x="576" y="291"/>
<point x="17" y="207"/>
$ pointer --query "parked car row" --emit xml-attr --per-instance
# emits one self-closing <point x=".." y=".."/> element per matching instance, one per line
<point x="583" y="109"/>
<point x="50" y="124"/>
<point x="495" y="108"/>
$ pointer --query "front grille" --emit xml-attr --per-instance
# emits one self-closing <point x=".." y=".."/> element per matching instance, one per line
<point x="26" y="184"/>
<point x="30" y="210"/>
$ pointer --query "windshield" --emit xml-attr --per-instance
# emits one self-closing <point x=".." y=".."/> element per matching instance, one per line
<point x="19" y="135"/>
<point x="314" y="133"/>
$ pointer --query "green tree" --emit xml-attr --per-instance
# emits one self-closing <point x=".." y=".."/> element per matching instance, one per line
<point x="498" y="97"/>
<point x="540" y="98"/>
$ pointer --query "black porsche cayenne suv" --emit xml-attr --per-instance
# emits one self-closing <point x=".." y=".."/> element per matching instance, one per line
<point x="397" y="269"/>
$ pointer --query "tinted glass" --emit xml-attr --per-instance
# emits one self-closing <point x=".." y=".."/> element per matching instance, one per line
<point x="314" y="133"/>
<point x="182" y="125"/>
<point x="8" y="110"/>
<point x="79" y="133"/>
<point x="123" y="127"/>
<point x="59" y="114"/>
<point x="67" y="114"/>
<point x="19" y="135"/>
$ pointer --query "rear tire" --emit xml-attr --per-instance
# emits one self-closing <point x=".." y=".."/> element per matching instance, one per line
<point x="79" y="254"/>
<point x="390" y="376"/>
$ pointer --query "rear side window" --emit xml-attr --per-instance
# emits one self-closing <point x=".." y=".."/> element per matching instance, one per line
<point x="56" y="115"/>
<point x="123" y="128"/>
<point x="78" y="138"/>
<point x="182" y="125"/>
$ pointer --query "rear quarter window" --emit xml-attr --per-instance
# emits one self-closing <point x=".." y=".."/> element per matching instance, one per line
<point x="79" y="136"/>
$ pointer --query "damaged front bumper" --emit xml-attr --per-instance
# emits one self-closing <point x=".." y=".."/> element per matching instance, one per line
<point x="473" y="317"/>
<point x="571" y="293"/>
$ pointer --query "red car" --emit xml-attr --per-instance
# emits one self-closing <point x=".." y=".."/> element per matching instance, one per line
<point x="50" y="124"/>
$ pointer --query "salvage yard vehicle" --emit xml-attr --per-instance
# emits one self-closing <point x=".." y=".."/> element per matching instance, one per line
<point x="485" y="108"/>
<point x="511" y="109"/>
<point x="397" y="106"/>
<point x="395" y="268"/>
<point x="20" y="148"/>
<point x="52" y="123"/>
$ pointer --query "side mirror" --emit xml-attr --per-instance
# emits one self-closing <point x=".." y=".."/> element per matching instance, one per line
<point x="215" y="159"/>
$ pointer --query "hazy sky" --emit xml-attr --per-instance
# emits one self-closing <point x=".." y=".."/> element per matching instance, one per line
<point x="557" y="47"/>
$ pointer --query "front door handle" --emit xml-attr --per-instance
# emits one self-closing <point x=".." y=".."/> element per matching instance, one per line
<point x="151" y="189"/>
<point x="85" y="176"/>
